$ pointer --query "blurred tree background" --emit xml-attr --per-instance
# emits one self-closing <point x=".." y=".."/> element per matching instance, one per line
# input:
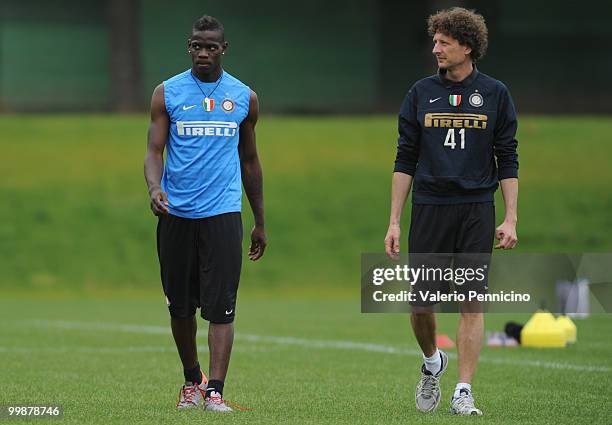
<point x="307" y="57"/>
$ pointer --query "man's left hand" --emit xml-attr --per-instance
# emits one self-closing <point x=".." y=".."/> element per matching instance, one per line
<point x="506" y="234"/>
<point x="258" y="243"/>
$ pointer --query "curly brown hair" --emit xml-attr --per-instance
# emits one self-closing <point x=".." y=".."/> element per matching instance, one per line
<point x="465" y="26"/>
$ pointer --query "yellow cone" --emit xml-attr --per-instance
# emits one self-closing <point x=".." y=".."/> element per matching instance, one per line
<point x="569" y="327"/>
<point x="542" y="330"/>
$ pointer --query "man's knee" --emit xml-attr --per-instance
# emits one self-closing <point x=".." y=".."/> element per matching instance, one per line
<point x="471" y="315"/>
<point x="471" y="309"/>
<point x="425" y="312"/>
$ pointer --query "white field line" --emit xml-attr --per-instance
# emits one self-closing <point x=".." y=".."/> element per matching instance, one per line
<point x="113" y="350"/>
<point x="310" y="343"/>
<point x="68" y="350"/>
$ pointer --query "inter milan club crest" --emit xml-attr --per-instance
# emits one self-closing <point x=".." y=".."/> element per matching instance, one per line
<point x="208" y="104"/>
<point x="454" y="99"/>
<point x="227" y="105"/>
<point x="475" y="100"/>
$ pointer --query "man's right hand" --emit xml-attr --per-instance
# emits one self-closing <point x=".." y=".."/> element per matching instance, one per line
<point x="159" y="201"/>
<point x="392" y="242"/>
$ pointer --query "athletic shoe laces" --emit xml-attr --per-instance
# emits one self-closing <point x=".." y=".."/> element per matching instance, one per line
<point x="188" y="394"/>
<point x="428" y="385"/>
<point x="215" y="399"/>
<point x="465" y="401"/>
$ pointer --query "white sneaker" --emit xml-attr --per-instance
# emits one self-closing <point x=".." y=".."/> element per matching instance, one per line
<point x="190" y="396"/>
<point x="464" y="404"/>
<point x="428" y="392"/>
<point x="215" y="403"/>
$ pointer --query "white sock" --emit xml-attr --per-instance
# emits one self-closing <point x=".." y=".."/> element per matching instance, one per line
<point x="461" y="386"/>
<point x="433" y="363"/>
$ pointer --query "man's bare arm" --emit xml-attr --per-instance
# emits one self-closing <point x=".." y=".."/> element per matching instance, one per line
<point x="252" y="177"/>
<point x="506" y="232"/>
<point x="154" y="158"/>
<point x="400" y="188"/>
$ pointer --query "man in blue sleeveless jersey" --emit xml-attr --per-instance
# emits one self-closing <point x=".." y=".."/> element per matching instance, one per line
<point x="456" y="146"/>
<point x="205" y="119"/>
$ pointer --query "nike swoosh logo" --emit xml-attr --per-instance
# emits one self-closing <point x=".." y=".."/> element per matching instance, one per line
<point x="188" y="107"/>
<point x="229" y="312"/>
<point x="433" y="100"/>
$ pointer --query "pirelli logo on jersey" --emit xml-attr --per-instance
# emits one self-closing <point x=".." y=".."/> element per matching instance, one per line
<point x="206" y="128"/>
<point x="455" y="120"/>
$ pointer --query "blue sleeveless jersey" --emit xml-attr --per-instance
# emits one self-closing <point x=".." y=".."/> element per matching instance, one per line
<point x="202" y="168"/>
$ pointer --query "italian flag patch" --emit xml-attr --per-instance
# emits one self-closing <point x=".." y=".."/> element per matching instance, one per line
<point x="208" y="104"/>
<point x="454" y="99"/>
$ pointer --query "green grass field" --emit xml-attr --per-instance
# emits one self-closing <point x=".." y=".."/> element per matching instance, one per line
<point x="83" y="321"/>
<point x="295" y="361"/>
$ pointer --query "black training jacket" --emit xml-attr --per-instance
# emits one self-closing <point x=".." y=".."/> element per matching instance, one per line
<point x="457" y="139"/>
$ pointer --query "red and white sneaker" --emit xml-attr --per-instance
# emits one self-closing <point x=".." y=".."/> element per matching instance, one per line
<point x="191" y="396"/>
<point x="215" y="403"/>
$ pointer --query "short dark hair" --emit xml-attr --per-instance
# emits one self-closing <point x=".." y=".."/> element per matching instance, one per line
<point x="208" y="23"/>
<point x="465" y="26"/>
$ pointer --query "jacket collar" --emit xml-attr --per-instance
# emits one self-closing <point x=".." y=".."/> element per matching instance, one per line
<point x="465" y="83"/>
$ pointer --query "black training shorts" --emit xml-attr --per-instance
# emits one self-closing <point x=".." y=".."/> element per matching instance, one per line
<point x="200" y="261"/>
<point x="456" y="236"/>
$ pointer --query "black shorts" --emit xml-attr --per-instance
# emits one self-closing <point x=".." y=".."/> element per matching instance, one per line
<point x="200" y="261"/>
<point x="457" y="236"/>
